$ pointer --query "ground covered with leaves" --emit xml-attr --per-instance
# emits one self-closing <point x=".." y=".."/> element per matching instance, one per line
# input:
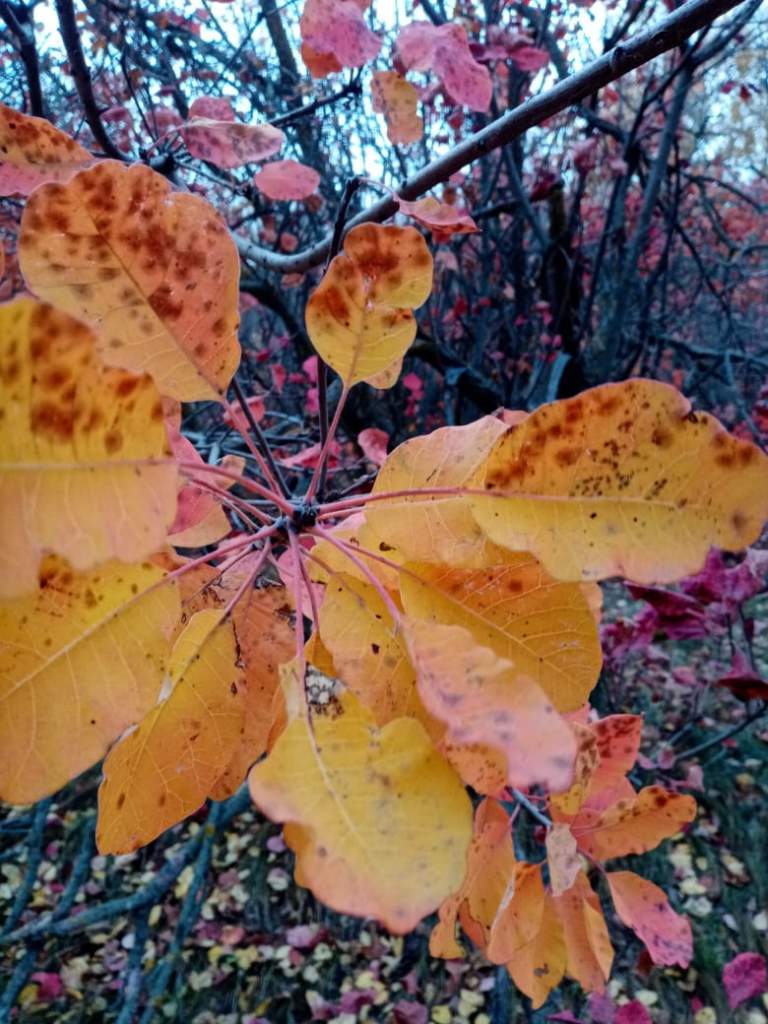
<point x="206" y="925"/>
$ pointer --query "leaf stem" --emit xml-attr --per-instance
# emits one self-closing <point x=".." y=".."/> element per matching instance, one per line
<point x="263" y="456"/>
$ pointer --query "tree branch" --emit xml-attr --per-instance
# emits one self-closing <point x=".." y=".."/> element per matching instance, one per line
<point x="636" y="51"/>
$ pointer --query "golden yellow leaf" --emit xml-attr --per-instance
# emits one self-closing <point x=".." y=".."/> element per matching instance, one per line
<point x="85" y="469"/>
<point x="33" y="152"/>
<point x="436" y="528"/>
<point x="81" y="659"/>
<point x="164" y="769"/>
<point x="359" y="317"/>
<point x="367" y="648"/>
<point x="544" y="626"/>
<point x="155" y="272"/>
<point x="623" y="480"/>
<point x="484" y="699"/>
<point x="379" y="822"/>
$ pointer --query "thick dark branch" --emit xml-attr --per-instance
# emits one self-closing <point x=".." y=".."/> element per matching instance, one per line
<point x="633" y="53"/>
<point x="21" y="23"/>
<point x="70" y="35"/>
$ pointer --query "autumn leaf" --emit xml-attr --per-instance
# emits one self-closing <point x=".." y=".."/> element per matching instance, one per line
<point x="538" y="966"/>
<point x="34" y="152"/>
<point x="86" y="469"/>
<point x="435" y="527"/>
<point x="518" y="916"/>
<point x="544" y="626"/>
<point x="644" y="908"/>
<point x="379" y="822"/>
<point x="154" y="272"/>
<point x="589" y="953"/>
<point x="81" y="659"/>
<point x="485" y="699"/>
<point x="562" y="858"/>
<point x="336" y="29"/>
<point x="633" y="824"/>
<point x="607" y="750"/>
<point x="623" y="480"/>
<point x="164" y="769"/>
<point x="490" y="866"/>
<point x="398" y="101"/>
<point x="286" y="179"/>
<point x="445" y="50"/>
<point x="443" y="220"/>
<point x="229" y="144"/>
<point x="359" y="317"/>
<point x="368" y="650"/>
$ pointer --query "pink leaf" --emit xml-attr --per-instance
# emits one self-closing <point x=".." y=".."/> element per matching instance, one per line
<point x="287" y="179"/>
<point x="632" y="1013"/>
<point x="373" y="443"/>
<point x="216" y="108"/>
<point x="234" y="415"/>
<point x="406" y="1012"/>
<point x="49" y="986"/>
<point x="443" y="220"/>
<point x="445" y="50"/>
<point x="529" y="58"/>
<point x="745" y="977"/>
<point x="229" y="144"/>
<point x="644" y="908"/>
<point x="337" y="28"/>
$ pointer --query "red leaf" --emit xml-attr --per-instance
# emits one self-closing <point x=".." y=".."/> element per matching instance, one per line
<point x="445" y="50"/>
<point x="287" y="179"/>
<point x="745" y="977"/>
<point x="373" y="443"/>
<point x="632" y="1013"/>
<point x="49" y="986"/>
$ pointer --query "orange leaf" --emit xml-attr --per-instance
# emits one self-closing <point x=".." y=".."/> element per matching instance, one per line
<point x="538" y="966"/>
<point x="484" y="699"/>
<point x="644" y="908"/>
<point x="81" y="659"/>
<point x="34" y="152"/>
<point x="544" y="626"/>
<point x="589" y="953"/>
<point x="398" y="101"/>
<point x="155" y="272"/>
<point x="623" y="480"/>
<point x="518" y="917"/>
<point x="632" y="825"/>
<point x="359" y="317"/>
<point x="490" y="865"/>
<point x="379" y="822"/>
<point x="86" y="469"/>
<point x="164" y="769"/>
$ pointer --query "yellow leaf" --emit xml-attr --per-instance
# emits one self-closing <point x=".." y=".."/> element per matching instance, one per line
<point x="154" y="271"/>
<point x="623" y="480"/>
<point x="398" y="101"/>
<point x="85" y="468"/>
<point x="589" y="953"/>
<point x="379" y="822"/>
<point x="81" y="659"/>
<point x="359" y="317"/>
<point x="33" y="152"/>
<point x="368" y="650"/>
<point x="544" y="626"/>
<point x="436" y="528"/>
<point x="484" y="699"/>
<point x="164" y="769"/>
